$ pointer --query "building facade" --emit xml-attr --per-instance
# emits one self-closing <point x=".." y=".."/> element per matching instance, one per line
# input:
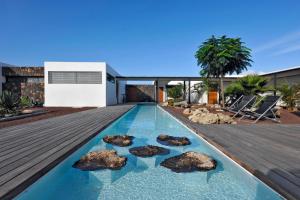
<point x="96" y="84"/>
<point x="81" y="84"/>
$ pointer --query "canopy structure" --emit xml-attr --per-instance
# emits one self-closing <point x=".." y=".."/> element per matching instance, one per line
<point x="157" y="79"/>
<point x="169" y="78"/>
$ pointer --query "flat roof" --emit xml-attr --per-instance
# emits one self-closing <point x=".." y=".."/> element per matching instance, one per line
<point x="169" y="78"/>
<point x="281" y="70"/>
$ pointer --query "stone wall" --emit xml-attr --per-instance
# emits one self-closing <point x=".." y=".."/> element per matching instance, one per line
<point x="33" y="90"/>
<point x="140" y="93"/>
<point x="25" y="81"/>
<point x="23" y="71"/>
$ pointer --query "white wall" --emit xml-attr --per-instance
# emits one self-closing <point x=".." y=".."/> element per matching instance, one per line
<point x="111" y="97"/>
<point x="201" y="97"/>
<point x="195" y="97"/>
<point x="75" y="95"/>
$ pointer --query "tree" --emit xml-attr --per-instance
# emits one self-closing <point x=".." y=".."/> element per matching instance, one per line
<point x="176" y="91"/>
<point x="254" y="84"/>
<point x="220" y="56"/>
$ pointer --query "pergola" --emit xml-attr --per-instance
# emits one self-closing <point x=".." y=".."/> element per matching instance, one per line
<point x="167" y="78"/>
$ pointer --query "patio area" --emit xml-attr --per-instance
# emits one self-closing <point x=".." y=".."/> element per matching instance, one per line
<point x="269" y="151"/>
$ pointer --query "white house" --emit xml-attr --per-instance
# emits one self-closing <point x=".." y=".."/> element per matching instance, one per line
<point x="80" y="84"/>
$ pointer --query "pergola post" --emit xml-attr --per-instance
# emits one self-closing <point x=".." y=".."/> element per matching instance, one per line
<point x="155" y="90"/>
<point x="184" y="90"/>
<point x="189" y="99"/>
<point x="275" y="84"/>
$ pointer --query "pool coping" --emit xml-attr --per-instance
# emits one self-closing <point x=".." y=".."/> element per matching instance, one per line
<point x="235" y="160"/>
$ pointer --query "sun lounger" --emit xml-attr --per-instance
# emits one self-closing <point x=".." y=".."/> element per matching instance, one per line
<point x="242" y="103"/>
<point x="265" y="110"/>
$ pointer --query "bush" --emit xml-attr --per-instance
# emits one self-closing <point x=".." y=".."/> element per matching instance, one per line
<point x="170" y="102"/>
<point x="176" y="91"/>
<point x="290" y="94"/>
<point x="248" y="85"/>
<point x="9" y="103"/>
<point x="235" y="90"/>
<point x="25" y="102"/>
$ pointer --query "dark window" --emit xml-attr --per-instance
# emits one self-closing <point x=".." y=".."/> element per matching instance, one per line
<point x="110" y="78"/>
<point x="89" y="77"/>
<point x="74" y="77"/>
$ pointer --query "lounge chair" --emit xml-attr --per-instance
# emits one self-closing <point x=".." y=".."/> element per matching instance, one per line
<point x="242" y="103"/>
<point x="232" y="100"/>
<point x="265" y="110"/>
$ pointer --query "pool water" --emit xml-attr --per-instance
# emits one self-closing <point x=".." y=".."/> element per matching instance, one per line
<point x="144" y="178"/>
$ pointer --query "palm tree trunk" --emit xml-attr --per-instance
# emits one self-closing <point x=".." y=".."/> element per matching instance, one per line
<point x="222" y="90"/>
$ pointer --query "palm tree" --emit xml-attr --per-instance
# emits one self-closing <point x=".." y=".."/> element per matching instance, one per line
<point x="251" y="84"/>
<point x="290" y="94"/>
<point x="254" y="84"/>
<point x="220" y="56"/>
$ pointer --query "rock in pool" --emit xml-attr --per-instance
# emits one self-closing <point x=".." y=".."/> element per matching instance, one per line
<point x="119" y="140"/>
<point x="189" y="162"/>
<point x="106" y="159"/>
<point x="148" y="151"/>
<point x="173" y="141"/>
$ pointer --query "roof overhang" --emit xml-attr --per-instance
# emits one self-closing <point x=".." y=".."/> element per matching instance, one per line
<point x="168" y="78"/>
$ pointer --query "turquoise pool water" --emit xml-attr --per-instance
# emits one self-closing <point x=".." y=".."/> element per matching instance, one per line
<point x="144" y="178"/>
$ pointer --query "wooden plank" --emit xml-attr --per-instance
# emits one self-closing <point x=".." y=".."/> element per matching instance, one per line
<point x="55" y="139"/>
<point x="21" y="130"/>
<point x="57" y="130"/>
<point x="270" y="152"/>
<point x="32" y="151"/>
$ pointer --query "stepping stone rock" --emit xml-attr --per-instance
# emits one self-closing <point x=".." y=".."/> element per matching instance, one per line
<point x="148" y="151"/>
<point x="173" y="141"/>
<point x="106" y="159"/>
<point x="189" y="162"/>
<point x="119" y="140"/>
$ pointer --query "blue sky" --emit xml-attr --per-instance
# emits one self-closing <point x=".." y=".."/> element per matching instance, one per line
<point x="147" y="37"/>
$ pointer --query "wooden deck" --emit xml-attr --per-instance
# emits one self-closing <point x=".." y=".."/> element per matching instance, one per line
<point x="270" y="152"/>
<point x="29" y="151"/>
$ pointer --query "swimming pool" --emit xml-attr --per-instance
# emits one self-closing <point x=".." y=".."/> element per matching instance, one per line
<point x="144" y="178"/>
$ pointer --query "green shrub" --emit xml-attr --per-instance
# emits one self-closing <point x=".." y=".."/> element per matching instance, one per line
<point x="248" y="85"/>
<point x="290" y="94"/>
<point x="176" y="91"/>
<point x="170" y="102"/>
<point x="25" y="102"/>
<point x="9" y="103"/>
<point x="235" y="90"/>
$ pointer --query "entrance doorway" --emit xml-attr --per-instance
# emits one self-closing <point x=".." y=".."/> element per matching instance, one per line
<point x="212" y="97"/>
<point x="161" y="95"/>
